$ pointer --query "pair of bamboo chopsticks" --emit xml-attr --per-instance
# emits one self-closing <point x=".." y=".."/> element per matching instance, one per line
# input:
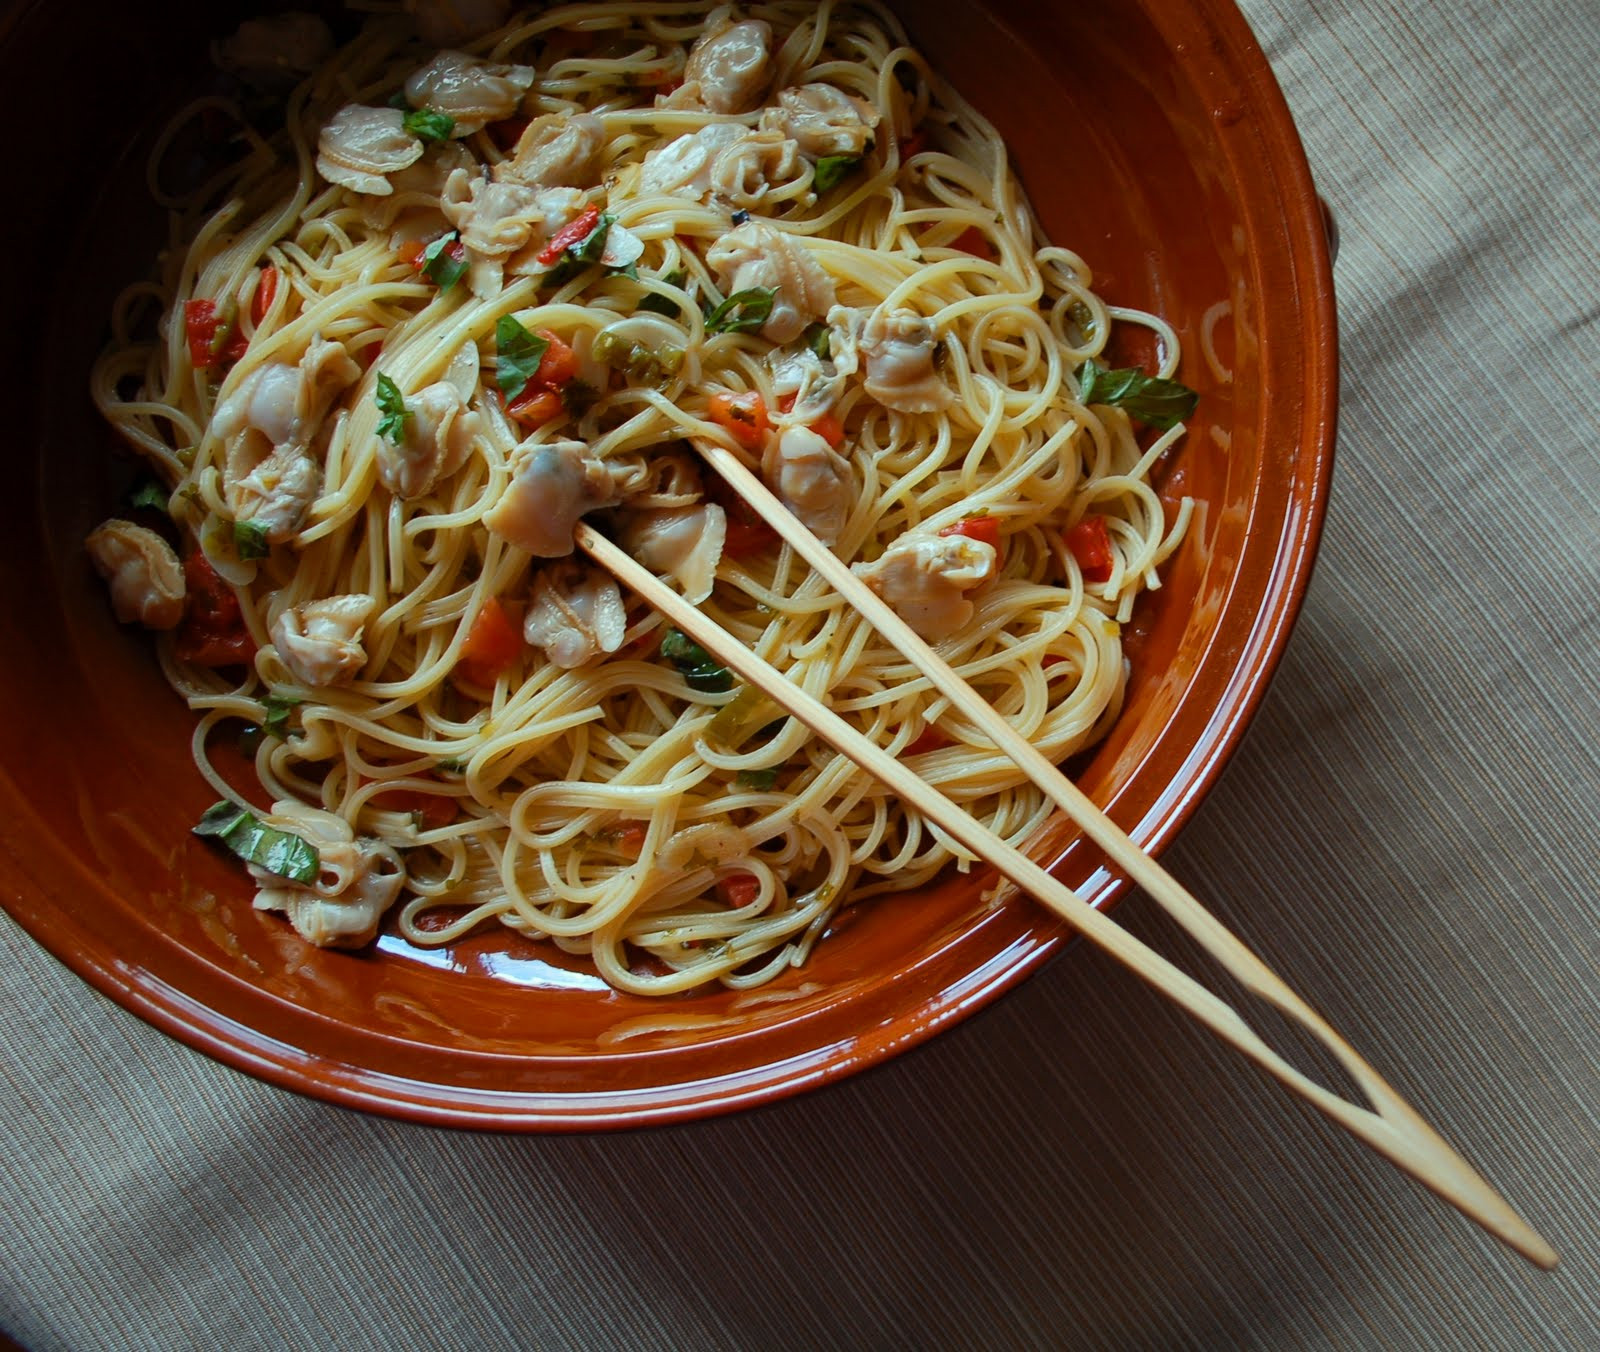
<point x="1390" y="1125"/>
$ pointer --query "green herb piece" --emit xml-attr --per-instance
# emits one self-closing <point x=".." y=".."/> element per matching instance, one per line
<point x="250" y="539"/>
<point x="276" y="721"/>
<point x="249" y="739"/>
<point x="756" y="779"/>
<point x="279" y="852"/>
<point x="819" y="338"/>
<point x="743" y="311"/>
<point x="833" y="170"/>
<point x="399" y="100"/>
<point x="520" y="353"/>
<point x="1154" y="400"/>
<point x="392" y="426"/>
<point x="444" y="262"/>
<point x="591" y="246"/>
<point x="1082" y="318"/>
<point x="697" y="667"/>
<point x="452" y="765"/>
<point x="657" y="304"/>
<point x="429" y="126"/>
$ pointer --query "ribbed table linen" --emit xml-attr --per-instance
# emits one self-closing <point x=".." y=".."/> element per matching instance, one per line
<point x="1410" y="834"/>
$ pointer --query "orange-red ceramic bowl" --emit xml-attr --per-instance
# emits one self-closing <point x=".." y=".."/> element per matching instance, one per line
<point x="1153" y="140"/>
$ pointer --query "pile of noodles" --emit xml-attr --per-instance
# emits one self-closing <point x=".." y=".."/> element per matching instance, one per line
<point x="591" y="808"/>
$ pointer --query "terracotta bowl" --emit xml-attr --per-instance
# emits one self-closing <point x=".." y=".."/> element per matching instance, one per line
<point x="1201" y="208"/>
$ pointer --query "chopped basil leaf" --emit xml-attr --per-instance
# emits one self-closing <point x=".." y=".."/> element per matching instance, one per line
<point x="628" y="270"/>
<point x="392" y="426"/>
<point x="697" y="667"/>
<point x="520" y="353"/>
<point x="278" y="852"/>
<point x="834" y="169"/>
<point x="428" y="126"/>
<point x="276" y="722"/>
<point x="655" y="303"/>
<point x="1151" y="399"/>
<point x="756" y="779"/>
<point x="250" y="539"/>
<point x="452" y="765"/>
<point x="399" y="100"/>
<point x="591" y="246"/>
<point x="819" y="338"/>
<point x="743" y="311"/>
<point x="440" y="265"/>
<point x="150" y="494"/>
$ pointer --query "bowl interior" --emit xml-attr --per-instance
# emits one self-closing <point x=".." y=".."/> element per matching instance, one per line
<point x="1151" y="139"/>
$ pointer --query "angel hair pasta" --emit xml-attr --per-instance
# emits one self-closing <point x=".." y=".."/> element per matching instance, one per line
<point x="491" y="273"/>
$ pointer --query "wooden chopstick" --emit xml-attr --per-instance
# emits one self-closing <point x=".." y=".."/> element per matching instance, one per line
<point x="1390" y="1126"/>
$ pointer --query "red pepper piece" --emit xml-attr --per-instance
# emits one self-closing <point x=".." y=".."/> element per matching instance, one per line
<point x="570" y="234"/>
<point x="266" y="293"/>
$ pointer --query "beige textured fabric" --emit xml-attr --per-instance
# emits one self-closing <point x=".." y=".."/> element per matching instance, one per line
<point x="1410" y="833"/>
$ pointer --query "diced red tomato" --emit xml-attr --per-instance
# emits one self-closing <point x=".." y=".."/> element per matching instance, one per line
<point x="830" y="429"/>
<point x="931" y="739"/>
<point x="1090" y="543"/>
<point x="738" y="889"/>
<point x="535" y="407"/>
<point x="540" y="400"/>
<point x="558" y="365"/>
<point x="493" y="643"/>
<point x="213" y="632"/>
<point x="984" y="528"/>
<point x="266" y="293"/>
<point x="746" y="538"/>
<point x="432" y="809"/>
<point x="630" y="837"/>
<point x="914" y="144"/>
<point x="214" y="338"/>
<point x="828" y="426"/>
<point x="748" y="534"/>
<point x="571" y="233"/>
<point x="744" y="415"/>
<point x="410" y="253"/>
